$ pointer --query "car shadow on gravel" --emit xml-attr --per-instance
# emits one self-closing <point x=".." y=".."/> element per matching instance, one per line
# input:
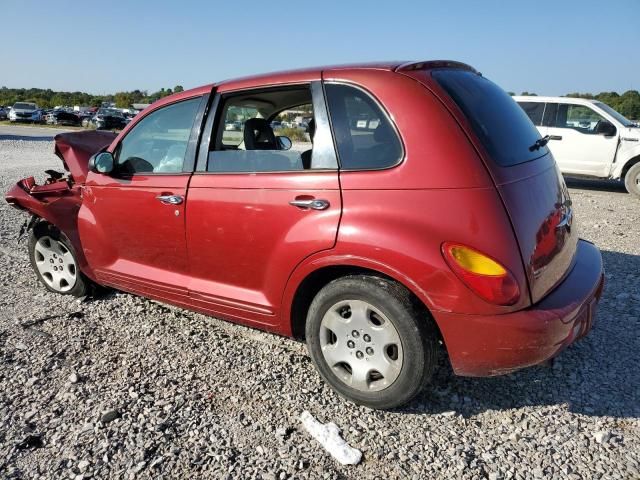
<point x="597" y="376"/>
<point x="27" y="138"/>
<point x="602" y="185"/>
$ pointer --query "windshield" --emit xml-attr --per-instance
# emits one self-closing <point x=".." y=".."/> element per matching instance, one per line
<point x="617" y="115"/>
<point x="501" y="125"/>
<point x="24" y="106"/>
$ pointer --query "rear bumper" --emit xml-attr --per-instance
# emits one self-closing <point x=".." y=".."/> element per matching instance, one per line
<point x="493" y="345"/>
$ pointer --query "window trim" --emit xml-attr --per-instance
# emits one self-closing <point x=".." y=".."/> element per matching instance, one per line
<point x="189" y="156"/>
<point x="384" y="111"/>
<point x="214" y="120"/>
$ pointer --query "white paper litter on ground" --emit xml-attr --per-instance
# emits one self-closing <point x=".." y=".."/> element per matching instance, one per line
<point x="328" y="435"/>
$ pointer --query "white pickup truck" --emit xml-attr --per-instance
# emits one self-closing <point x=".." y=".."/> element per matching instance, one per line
<point x="588" y="138"/>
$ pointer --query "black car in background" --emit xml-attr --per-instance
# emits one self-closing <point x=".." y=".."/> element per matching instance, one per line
<point x="109" y="119"/>
<point x="62" y="117"/>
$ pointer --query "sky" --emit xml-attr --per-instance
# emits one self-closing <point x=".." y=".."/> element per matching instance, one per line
<point x="546" y="47"/>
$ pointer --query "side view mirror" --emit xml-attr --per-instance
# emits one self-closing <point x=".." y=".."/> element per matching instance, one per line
<point x="101" y="163"/>
<point x="606" y="128"/>
<point x="284" y="142"/>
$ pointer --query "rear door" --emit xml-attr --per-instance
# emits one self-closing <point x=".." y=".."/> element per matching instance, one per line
<point x="256" y="209"/>
<point x="575" y="141"/>
<point x="525" y="173"/>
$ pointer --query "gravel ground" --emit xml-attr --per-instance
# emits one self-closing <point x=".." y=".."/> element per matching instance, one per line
<point x="123" y="387"/>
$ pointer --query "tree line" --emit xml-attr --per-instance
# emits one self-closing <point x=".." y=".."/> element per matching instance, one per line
<point x="628" y="104"/>
<point x="47" y="98"/>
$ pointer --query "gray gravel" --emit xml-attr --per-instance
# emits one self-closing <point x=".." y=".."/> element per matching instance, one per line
<point x="122" y="387"/>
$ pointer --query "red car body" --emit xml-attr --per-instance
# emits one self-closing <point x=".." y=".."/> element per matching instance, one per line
<point x="236" y="249"/>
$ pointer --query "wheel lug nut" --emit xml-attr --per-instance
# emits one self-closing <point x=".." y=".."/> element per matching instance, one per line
<point x="351" y="344"/>
<point x="369" y="351"/>
<point x="366" y="338"/>
<point x="359" y="354"/>
<point x="60" y="260"/>
<point x="51" y="260"/>
<point x="355" y="334"/>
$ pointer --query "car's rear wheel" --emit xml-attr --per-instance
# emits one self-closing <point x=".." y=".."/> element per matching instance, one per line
<point x="632" y="180"/>
<point x="370" y="341"/>
<point x="54" y="260"/>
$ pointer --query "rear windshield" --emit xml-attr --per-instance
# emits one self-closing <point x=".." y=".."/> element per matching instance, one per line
<point x="501" y="125"/>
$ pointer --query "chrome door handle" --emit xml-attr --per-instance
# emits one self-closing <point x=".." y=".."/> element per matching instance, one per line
<point x="170" y="199"/>
<point x="314" y="204"/>
<point x="555" y="137"/>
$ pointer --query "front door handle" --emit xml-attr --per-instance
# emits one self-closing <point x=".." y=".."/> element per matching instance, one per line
<point x="313" y="203"/>
<point x="170" y="199"/>
<point x="555" y="137"/>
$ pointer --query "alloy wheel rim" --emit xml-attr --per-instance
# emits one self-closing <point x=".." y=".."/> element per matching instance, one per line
<point x="55" y="263"/>
<point x="361" y="345"/>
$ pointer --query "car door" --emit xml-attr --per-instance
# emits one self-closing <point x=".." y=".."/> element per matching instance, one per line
<point x="575" y="141"/>
<point x="256" y="209"/>
<point x="131" y="222"/>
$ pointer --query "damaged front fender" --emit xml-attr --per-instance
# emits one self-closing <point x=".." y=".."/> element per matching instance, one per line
<point x="56" y="202"/>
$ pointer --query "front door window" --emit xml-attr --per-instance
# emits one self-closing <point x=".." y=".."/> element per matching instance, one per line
<point x="158" y="143"/>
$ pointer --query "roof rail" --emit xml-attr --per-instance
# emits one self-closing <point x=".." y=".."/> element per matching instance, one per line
<point x="435" y="64"/>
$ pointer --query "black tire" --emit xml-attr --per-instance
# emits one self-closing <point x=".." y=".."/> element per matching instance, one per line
<point x="632" y="180"/>
<point x="412" y="324"/>
<point x="82" y="285"/>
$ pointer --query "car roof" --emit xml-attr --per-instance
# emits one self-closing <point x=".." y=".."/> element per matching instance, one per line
<point x="305" y="75"/>
<point x="535" y="98"/>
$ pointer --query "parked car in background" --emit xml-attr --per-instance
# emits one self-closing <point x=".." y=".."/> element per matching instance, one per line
<point x="446" y="224"/>
<point x="588" y="138"/>
<point x="109" y="119"/>
<point x="4" y="114"/>
<point x="63" y="117"/>
<point x="25" y="112"/>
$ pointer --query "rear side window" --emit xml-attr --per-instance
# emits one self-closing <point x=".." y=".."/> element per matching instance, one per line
<point x="504" y="129"/>
<point x="365" y="138"/>
<point x="534" y="111"/>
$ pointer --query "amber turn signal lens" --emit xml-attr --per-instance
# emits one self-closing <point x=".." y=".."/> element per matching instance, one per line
<point x="482" y="274"/>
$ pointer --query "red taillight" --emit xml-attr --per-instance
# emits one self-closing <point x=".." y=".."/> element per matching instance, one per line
<point x="482" y="274"/>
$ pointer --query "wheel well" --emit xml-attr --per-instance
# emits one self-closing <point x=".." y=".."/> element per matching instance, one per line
<point x="314" y="282"/>
<point x="628" y="166"/>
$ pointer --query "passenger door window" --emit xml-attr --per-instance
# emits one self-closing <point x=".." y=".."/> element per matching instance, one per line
<point x="275" y="130"/>
<point x="578" y="117"/>
<point x="158" y="143"/>
<point x="364" y="135"/>
<point x="534" y="110"/>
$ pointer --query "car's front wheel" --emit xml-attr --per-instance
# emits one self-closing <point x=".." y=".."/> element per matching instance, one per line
<point x="632" y="180"/>
<point x="54" y="260"/>
<point x="370" y="341"/>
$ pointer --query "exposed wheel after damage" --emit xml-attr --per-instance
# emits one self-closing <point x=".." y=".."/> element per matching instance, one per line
<point x="54" y="260"/>
<point x="632" y="180"/>
<point x="370" y="341"/>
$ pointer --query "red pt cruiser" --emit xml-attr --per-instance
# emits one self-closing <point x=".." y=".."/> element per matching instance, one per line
<point x="372" y="210"/>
